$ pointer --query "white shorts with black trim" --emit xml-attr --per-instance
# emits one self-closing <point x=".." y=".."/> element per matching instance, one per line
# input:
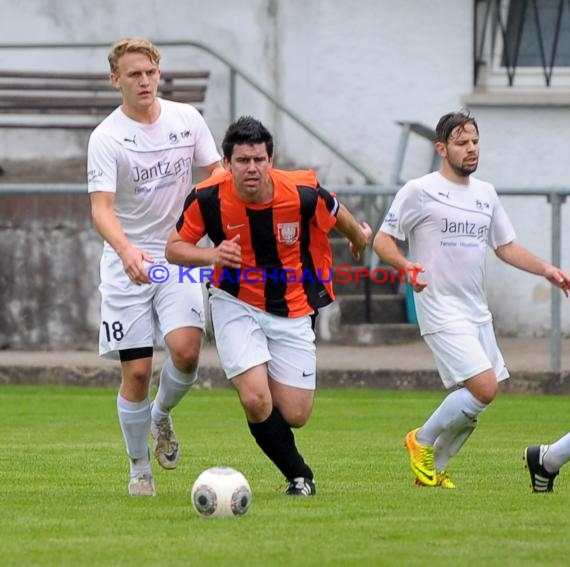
<point x="247" y="337"/>
<point x="464" y="352"/>
<point x="137" y="316"/>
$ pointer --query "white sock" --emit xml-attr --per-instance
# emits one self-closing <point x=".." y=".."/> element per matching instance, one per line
<point x="172" y="388"/>
<point x="557" y="454"/>
<point x="457" y="409"/>
<point x="134" y="418"/>
<point x="449" y="442"/>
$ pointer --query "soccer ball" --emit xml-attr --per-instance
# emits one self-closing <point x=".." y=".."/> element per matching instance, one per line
<point x="221" y="492"/>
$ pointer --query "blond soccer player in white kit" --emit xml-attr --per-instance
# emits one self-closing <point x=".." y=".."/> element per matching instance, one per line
<point x="139" y="172"/>
<point x="449" y="218"/>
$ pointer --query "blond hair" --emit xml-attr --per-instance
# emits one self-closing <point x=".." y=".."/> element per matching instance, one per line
<point x="132" y="45"/>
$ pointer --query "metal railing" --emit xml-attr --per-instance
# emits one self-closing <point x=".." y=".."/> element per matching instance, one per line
<point x="500" y="28"/>
<point x="556" y="196"/>
<point x="234" y="73"/>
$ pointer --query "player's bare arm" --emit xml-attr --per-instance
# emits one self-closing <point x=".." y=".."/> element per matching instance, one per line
<point x="184" y="253"/>
<point x="386" y="247"/>
<point x="214" y="168"/>
<point x="358" y="235"/>
<point x="108" y="226"/>
<point x="519" y="257"/>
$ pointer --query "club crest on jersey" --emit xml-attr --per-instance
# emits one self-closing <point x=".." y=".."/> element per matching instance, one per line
<point x="288" y="232"/>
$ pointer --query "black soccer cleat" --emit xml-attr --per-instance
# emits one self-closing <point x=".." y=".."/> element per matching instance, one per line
<point x="540" y="479"/>
<point x="301" y="487"/>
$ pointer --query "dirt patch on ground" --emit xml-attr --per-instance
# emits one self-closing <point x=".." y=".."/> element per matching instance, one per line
<point x="43" y="171"/>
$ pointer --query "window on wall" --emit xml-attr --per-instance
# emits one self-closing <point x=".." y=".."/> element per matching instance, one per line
<point x="522" y="44"/>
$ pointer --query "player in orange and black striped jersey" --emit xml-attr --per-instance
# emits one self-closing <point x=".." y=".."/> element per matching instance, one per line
<point x="284" y="245"/>
<point x="272" y="270"/>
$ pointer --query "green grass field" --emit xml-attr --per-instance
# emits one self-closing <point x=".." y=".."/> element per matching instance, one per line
<point x="63" y="479"/>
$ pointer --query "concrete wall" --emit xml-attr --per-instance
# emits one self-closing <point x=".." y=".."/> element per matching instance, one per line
<point x="49" y="272"/>
<point x="349" y="69"/>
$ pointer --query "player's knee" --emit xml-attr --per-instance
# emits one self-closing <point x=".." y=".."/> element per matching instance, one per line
<point x="298" y="419"/>
<point x="137" y="371"/>
<point x="484" y="387"/>
<point x="256" y="404"/>
<point x="188" y="366"/>
<point x="135" y="383"/>
<point x="296" y="415"/>
<point x="186" y="360"/>
<point x="487" y="392"/>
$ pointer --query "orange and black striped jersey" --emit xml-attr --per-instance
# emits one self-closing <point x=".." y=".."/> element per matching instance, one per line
<point x="286" y="256"/>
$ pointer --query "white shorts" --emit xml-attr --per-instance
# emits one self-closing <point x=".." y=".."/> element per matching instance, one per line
<point x="247" y="337"/>
<point x="465" y="352"/>
<point x="135" y="316"/>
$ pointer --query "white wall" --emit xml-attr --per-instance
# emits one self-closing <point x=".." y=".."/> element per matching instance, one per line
<point x="351" y="70"/>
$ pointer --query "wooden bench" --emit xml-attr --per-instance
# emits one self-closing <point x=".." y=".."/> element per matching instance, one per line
<point x="30" y="99"/>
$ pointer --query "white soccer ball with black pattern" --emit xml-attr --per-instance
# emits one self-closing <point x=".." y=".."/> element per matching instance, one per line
<point x="221" y="492"/>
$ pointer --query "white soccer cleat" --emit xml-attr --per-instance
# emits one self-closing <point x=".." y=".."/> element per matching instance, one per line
<point x="142" y="484"/>
<point x="165" y="443"/>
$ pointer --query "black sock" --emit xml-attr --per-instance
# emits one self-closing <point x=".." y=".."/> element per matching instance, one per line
<point x="276" y="440"/>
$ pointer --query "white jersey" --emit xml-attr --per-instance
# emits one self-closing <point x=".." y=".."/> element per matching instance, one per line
<point x="449" y="227"/>
<point x="149" y="167"/>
